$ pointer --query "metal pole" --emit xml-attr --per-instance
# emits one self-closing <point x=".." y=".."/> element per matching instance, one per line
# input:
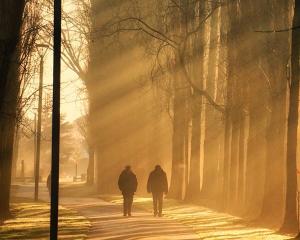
<point x="55" y="121"/>
<point x="34" y="155"/>
<point x="38" y="133"/>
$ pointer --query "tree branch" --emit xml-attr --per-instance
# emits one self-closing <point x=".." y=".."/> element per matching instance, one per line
<point x="278" y="30"/>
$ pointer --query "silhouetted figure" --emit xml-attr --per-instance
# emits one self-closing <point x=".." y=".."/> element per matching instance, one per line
<point x="49" y="184"/>
<point x="127" y="184"/>
<point x="157" y="185"/>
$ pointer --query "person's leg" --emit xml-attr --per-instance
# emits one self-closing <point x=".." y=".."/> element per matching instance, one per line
<point x="154" y="197"/>
<point x="130" y="200"/>
<point x="160" y="197"/>
<point x="124" y="205"/>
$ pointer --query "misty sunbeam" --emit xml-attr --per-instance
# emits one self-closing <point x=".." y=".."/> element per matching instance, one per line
<point x="149" y="119"/>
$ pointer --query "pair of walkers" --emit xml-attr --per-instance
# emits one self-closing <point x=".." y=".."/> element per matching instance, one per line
<point x="157" y="185"/>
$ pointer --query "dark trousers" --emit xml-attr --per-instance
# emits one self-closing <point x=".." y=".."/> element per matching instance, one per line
<point x="157" y="202"/>
<point x="127" y="203"/>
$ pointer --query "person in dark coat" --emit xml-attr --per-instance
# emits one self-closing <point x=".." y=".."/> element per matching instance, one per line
<point x="157" y="185"/>
<point x="127" y="185"/>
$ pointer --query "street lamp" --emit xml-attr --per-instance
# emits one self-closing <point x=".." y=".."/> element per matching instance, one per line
<point x="41" y="49"/>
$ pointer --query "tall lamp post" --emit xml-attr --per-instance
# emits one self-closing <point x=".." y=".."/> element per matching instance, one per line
<point x="42" y="48"/>
<point x="55" y="120"/>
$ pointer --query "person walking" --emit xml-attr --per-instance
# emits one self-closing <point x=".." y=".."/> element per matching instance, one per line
<point x="127" y="184"/>
<point x="157" y="185"/>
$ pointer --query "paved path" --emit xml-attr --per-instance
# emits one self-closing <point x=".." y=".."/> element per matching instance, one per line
<point x="108" y="222"/>
<point x="184" y="221"/>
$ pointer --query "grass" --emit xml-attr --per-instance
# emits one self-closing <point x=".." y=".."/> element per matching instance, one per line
<point x="208" y="224"/>
<point x="31" y="221"/>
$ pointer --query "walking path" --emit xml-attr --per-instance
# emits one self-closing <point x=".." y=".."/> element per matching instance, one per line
<point x="183" y="221"/>
<point x="108" y="222"/>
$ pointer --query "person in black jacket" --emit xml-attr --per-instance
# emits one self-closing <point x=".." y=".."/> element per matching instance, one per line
<point x="157" y="185"/>
<point x="127" y="184"/>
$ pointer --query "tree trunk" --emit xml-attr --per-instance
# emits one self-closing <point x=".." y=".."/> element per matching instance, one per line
<point x="177" y="174"/>
<point x="10" y="23"/>
<point x="273" y="203"/>
<point x="226" y="163"/>
<point x="254" y="93"/>
<point x="272" y="207"/>
<point x="7" y="133"/>
<point x="187" y="147"/>
<point x="241" y="159"/>
<point x="6" y="152"/>
<point x="210" y="164"/>
<point x="225" y="138"/>
<point x="91" y="167"/>
<point x="230" y="135"/>
<point x="193" y="187"/>
<point x="234" y="159"/>
<point x="290" y="222"/>
<point x="15" y="153"/>
<point x="11" y="13"/>
<point x="255" y="165"/>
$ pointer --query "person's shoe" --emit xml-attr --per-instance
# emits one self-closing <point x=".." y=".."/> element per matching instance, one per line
<point x="129" y="214"/>
<point x="160" y="214"/>
<point x="124" y="214"/>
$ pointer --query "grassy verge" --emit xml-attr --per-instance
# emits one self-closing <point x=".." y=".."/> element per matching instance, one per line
<point x="31" y="221"/>
<point x="208" y="224"/>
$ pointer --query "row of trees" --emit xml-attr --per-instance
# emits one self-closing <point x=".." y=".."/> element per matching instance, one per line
<point x="225" y="80"/>
<point x="227" y="83"/>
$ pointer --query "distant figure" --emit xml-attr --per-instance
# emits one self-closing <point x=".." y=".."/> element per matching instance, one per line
<point x="49" y="184"/>
<point x="157" y="185"/>
<point x="127" y="184"/>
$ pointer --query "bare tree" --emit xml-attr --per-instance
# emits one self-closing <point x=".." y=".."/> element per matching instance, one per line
<point x="10" y="12"/>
